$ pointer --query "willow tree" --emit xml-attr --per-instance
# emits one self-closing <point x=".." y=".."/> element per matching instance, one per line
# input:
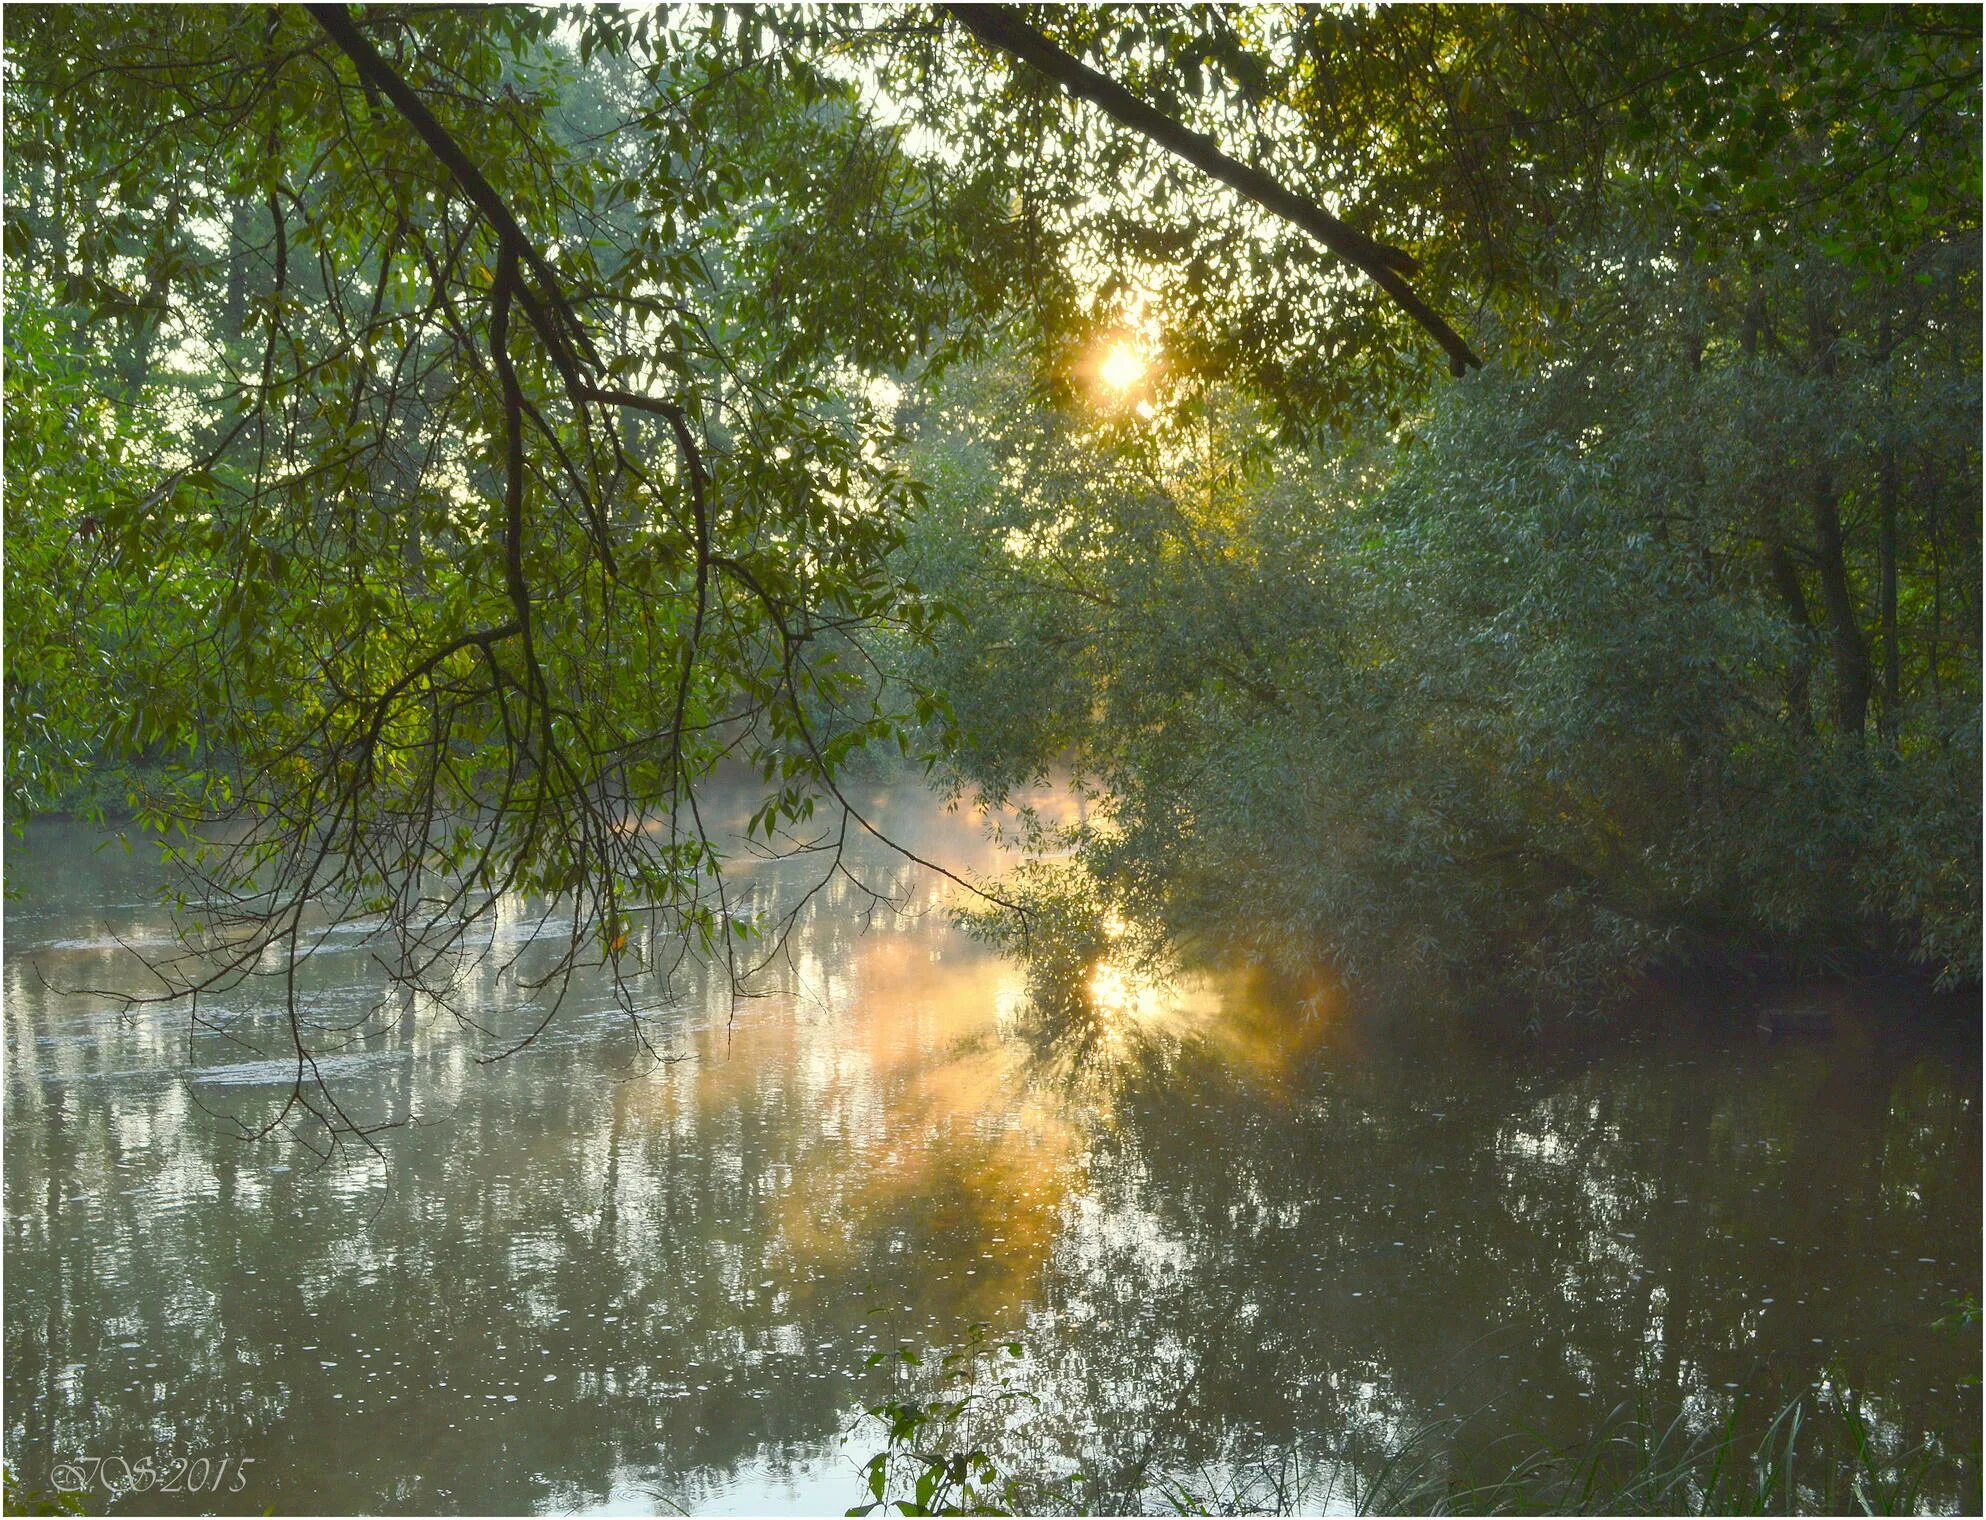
<point x="487" y="447"/>
<point x="1656" y="644"/>
<point x="455" y="433"/>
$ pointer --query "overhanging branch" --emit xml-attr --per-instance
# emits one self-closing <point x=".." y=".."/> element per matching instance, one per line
<point x="563" y="335"/>
<point x="1001" y="27"/>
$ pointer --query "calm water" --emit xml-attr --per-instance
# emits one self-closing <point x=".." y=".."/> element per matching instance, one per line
<point x="1226" y="1235"/>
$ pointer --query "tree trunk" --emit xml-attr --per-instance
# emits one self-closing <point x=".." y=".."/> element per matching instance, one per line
<point x="1785" y="574"/>
<point x="1852" y="677"/>
<point x="1887" y="491"/>
<point x="1799" y="671"/>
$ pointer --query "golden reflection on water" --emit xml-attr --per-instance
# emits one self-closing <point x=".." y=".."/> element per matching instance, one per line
<point x="900" y="1117"/>
<point x="1232" y="1014"/>
<point x="905" y="1110"/>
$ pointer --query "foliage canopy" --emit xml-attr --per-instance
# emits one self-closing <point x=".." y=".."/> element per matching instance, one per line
<point x="439" y="438"/>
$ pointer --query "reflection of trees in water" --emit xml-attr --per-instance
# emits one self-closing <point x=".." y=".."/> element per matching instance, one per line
<point x="1427" y="1229"/>
<point x="700" y="1257"/>
<point x="495" y="990"/>
<point x="1215" y="1241"/>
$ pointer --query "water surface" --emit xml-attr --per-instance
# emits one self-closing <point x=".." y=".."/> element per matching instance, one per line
<point x="1228" y="1235"/>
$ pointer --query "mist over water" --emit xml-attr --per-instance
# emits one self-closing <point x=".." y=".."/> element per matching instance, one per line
<point x="584" y="1278"/>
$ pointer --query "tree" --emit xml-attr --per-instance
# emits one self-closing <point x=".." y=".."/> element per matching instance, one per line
<point x="1570" y="674"/>
<point x="530" y="452"/>
<point x="511" y="536"/>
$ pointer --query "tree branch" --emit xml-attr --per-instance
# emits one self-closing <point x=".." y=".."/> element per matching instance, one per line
<point x="559" y="328"/>
<point x="1002" y="27"/>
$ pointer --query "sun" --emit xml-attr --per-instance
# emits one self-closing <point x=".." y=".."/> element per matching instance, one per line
<point x="1122" y="368"/>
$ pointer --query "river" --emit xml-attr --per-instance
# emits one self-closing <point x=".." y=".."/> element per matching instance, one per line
<point x="1230" y="1235"/>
